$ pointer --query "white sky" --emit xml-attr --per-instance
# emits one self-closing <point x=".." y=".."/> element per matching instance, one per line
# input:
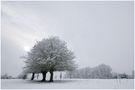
<point x="97" y="32"/>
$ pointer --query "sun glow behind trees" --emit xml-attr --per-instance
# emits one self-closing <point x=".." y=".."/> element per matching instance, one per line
<point x="26" y="48"/>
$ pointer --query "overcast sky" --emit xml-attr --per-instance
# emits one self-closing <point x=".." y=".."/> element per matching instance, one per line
<point x="97" y="32"/>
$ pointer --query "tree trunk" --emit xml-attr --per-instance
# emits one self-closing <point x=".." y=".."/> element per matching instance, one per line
<point x="25" y="76"/>
<point x="51" y="76"/>
<point x="32" y="78"/>
<point x="44" y="76"/>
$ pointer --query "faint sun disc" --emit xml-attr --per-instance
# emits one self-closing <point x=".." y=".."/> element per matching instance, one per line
<point x="26" y="48"/>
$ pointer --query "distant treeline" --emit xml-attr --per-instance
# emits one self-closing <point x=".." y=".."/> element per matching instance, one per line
<point x="6" y="76"/>
<point x="99" y="72"/>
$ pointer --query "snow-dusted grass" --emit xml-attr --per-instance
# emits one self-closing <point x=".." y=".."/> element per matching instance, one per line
<point x="69" y="84"/>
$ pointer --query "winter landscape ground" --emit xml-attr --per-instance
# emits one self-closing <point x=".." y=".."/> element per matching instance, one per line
<point x="68" y="84"/>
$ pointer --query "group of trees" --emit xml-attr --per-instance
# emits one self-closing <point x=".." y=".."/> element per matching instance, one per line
<point x="52" y="54"/>
<point x="6" y="76"/>
<point x="101" y="71"/>
<point x="49" y="55"/>
<point x="122" y="75"/>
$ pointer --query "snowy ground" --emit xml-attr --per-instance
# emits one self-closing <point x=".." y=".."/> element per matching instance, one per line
<point x="68" y="84"/>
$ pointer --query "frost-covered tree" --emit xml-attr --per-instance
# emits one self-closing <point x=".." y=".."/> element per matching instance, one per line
<point x="6" y="76"/>
<point x="101" y="71"/>
<point x="49" y="55"/>
<point x="30" y="66"/>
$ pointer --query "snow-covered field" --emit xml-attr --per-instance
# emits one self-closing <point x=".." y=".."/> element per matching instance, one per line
<point x="69" y="84"/>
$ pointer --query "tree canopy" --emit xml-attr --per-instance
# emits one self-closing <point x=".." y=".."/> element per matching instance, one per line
<point x="50" y="54"/>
